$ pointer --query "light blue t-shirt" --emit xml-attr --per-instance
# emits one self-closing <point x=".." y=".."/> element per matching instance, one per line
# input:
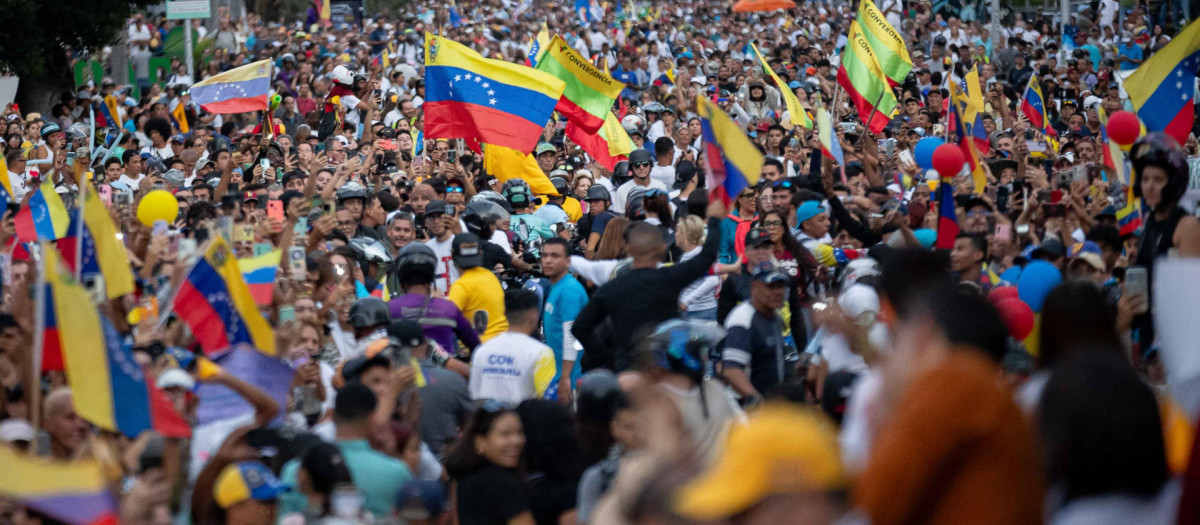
<point x="566" y="299"/>
<point x="1129" y="51"/>
<point x="529" y="226"/>
<point x="377" y="476"/>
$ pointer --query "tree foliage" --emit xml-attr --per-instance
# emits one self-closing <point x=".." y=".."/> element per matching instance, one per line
<point x="42" y="33"/>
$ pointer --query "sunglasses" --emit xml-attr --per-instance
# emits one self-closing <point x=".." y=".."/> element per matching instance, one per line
<point x="453" y="189"/>
<point x="639" y="165"/>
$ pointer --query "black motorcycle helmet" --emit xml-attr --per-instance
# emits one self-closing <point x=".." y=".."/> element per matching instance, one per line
<point x="620" y="173"/>
<point x="598" y="396"/>
<point x="369" y="312"/>
<point x="561" y="186"/>
<point x="1160" y="150"/>
<point x="417" y="260"/>
<point x="480" y="215"/>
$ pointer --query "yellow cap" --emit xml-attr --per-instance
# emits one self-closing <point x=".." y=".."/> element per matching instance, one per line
<point x="782" y="449"/>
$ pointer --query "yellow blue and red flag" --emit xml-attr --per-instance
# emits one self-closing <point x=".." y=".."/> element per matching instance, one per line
<point x="44" y="218"/>
<point x="1033" y="106"/>
<point x="259" y="273"/>
<point x="966" y="141"/>
<point x="732" y="162"/>
<point x="102" y="253"/>
<point x="111" y="389"/>
<point x="1162" y="89"/>
<point x="217" y="305"/>
<point x="238" y="90"/>
<point x="73" y="492"/>
<point x="483" y="100"/>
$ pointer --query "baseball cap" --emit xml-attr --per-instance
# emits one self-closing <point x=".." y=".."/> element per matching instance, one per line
<point x="919" y="131"/>
<point x="436" y="206"/>
<point x="544" y="147"/>
<point x="767" y="274"/>
<point x="16" y="430"/>
<point x="782" y="449"/>
<point x="354" y="367"/>
<point x="1050" y="246"/>
<point x="466" y="250"/>
<point x="1089" y="252"/>
<point x="807" y="210"/>
<point x="246" y="480"/>
<point x="250" y="196"/>
<point x="407" y="332"/>
<point x="756" y="237"/>
<point x="175" y="377"/>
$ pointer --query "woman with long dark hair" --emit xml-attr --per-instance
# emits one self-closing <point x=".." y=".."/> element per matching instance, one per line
<point x="553" y="460"/>
<point x="483" y="466"/>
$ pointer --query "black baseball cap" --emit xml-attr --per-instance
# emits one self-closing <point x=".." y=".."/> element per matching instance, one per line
<point x="437" y="206"/>
<point x="467" y="250"/>
<point x="406" y="332"/>
<point x="767" y="273"/>
<point x="757" y="237"/>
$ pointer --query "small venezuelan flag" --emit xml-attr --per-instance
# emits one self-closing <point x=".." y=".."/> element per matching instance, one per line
<point x="44" y="218"/>
<point x="239" y="90"/>
<point x="259" y="273"/>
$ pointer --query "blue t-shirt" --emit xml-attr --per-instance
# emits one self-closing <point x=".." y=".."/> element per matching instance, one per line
<point x="566" y="299"/>
<point x="1129" y="51"/>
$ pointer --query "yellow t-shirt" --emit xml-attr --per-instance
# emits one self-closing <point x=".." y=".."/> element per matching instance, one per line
<point x="479" y="296"/>
<point x="573" y="208"/>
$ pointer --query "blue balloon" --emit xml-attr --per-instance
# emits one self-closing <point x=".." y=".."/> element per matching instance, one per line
<point x="1010" y="275"/>
<point x="1035" y="283"/>
<point x="926" y="237"/>
<point x="923" y="151"/>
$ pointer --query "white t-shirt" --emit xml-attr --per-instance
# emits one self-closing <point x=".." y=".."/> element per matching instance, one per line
<point x="132" y="183"/>
<point x="618" y="200"/>
<point x="447" y="273"/>
<point x="511" y="368"/>
<point x="350" y="103"/>
<point x="663" y="174"/>
<point x="20" y="185"/>
<point x="136" y="33"/>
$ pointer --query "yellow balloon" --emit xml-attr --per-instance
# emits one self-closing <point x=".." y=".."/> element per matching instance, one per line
<point x="158" y="205"/>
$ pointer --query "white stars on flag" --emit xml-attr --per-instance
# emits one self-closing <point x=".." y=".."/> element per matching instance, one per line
<point x="492" y="101"/>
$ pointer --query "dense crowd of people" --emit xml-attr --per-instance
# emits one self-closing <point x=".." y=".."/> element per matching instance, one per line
<point x="625" y="349"/>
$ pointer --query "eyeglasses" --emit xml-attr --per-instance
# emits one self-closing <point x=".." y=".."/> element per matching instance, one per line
<point x="748" y="195"/>
<point x="772" y="224"/>
<point x="639" y="165"/>
<point x="979" y="213"/>
<point x="453" y="189"/>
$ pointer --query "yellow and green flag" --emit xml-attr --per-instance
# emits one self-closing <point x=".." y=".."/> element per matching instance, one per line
<point x="886" y="42"/>
<point x="797" y="114"/>
<point x="590" y="92"/>
<point x="866" y="84"/>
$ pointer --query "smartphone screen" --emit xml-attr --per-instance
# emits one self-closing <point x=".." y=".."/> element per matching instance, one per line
<point x="275" y="210"/>
<point x="1003" y="231"/>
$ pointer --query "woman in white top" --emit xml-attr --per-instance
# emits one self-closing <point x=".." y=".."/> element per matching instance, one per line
<point x="699" y="299"/>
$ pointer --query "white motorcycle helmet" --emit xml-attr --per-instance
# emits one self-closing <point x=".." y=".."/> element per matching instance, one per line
<point x="633" y="123"/>
<point x="343" y="76"/>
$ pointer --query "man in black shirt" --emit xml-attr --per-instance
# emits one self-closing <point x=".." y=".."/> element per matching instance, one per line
<point x="643" y="296"/>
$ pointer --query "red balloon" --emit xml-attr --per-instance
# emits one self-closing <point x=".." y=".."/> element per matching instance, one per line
<point x="1003" y="292"/>
<point x="1017" y="315"/>
<point x="1124" y="128"/>
<point x="948" y="160"/>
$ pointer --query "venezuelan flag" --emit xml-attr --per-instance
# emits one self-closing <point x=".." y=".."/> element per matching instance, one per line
<point x="608" y="146"/>
<point x="111" y="390"/>
<point x="179" y="115"/>
<point x="830" y="145"/>
<point x="239" y="90"/>
<point x="259" y="273"/>
<point x="111" y="111"/>
<point x="216" y="303"/>
<point x="539" y="46"/>
<point x="947" y="228"/>
<point x="110" y="252"/>
<point x="796" y="112"/>
<point x="1034" y="108"/>
<point x="732" y="162"/>
<point x="958" y="132"/>
<point x="1161" y="90"/>
<point x="44" y="218"/>
<point x="52" y="359"/>
<point x="74" y="492"/>
<point x="483" y="100"/>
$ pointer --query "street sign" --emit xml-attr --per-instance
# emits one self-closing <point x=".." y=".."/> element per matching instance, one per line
<point x="184" y="9"/>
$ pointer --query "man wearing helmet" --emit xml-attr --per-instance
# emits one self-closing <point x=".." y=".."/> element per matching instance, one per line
<point x="524" y="223"/>
<point x="413" y="278"/>
<point x="640" y="162"/>
<point x="591" y="226"/>
<point x="477" y="292"/>
<point x="553" y="211"/>
<point x="369" y="316"/>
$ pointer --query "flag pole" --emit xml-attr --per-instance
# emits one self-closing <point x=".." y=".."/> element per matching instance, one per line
<point x="39" y="341"/>
<point x="80" y="204"/>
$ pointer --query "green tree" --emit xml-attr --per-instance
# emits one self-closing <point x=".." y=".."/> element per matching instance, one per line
<point x="44" y="35"/>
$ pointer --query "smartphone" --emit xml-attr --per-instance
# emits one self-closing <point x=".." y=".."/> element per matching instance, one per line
<point x="152" y="456"/>
<point x="907" y="157"/>
<point x="244" y="233"/>
<point x="452" y="156"/>
<point x="1137" y="281"/>
<point x="1035" y="146"/>
<point x="160" y="227"/>
<point x="70" y="158"/>
<point x="298" y="263"/>
<point x="1003" y="231"/>
<point x="301" y="226"/>
<point x="187" y="248"/>
<point x="287" y="313"/>
<point x="266" y="166"/>
<point x="329" y="207"/>
<point x="387" y="145"/>
<point x="106" y="194"/>
<point x="889" y="147"/>
<point x="1022" y="229"/>
<point x="275" y="210"/>
<point x="263" y="248"/>
<point x="1051" y="210"/>
<point x="1056" y="196"/>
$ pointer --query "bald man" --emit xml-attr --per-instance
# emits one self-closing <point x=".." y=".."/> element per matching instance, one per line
<point x="641" y="297"/>
<point x="67" y="430"/>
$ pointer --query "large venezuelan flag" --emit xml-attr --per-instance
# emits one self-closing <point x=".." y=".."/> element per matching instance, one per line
<point x="217" y="305"/>
<point x="1161" y="90"/>
<point x="44" y="218"/>
<point x="73" y="492"/>
<point x="238" y="90"/>
<point x="483" y="100"/>
<point x="732" y="162"/>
